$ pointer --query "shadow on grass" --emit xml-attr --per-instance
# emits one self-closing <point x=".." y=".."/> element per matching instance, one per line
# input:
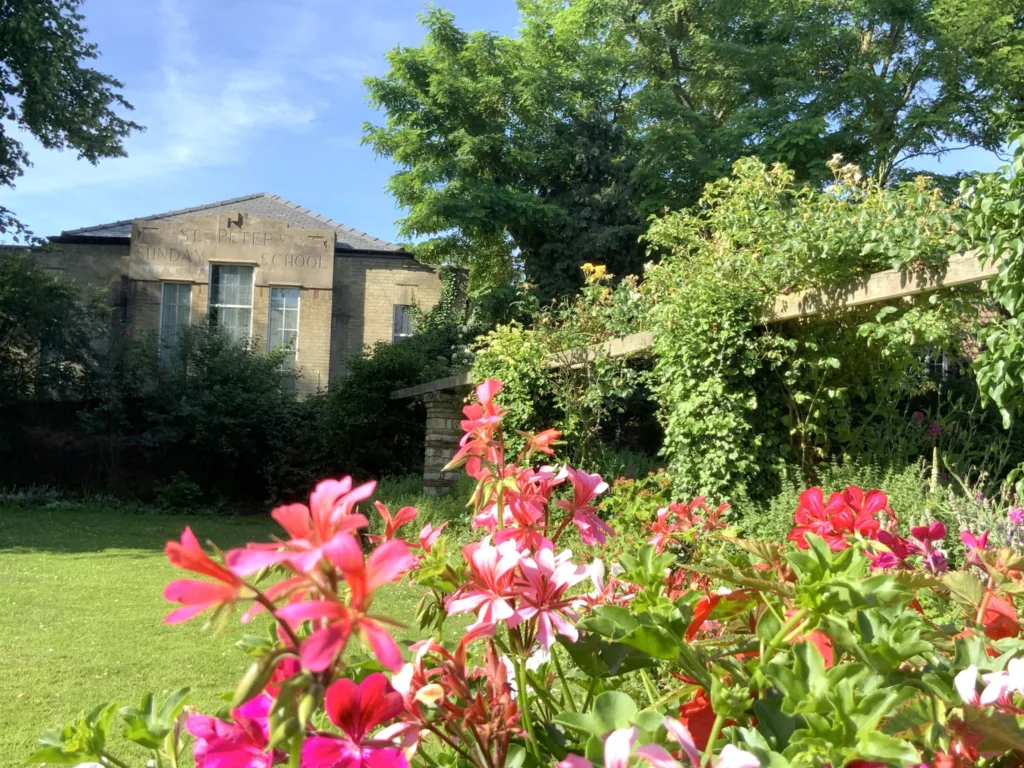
<point x="26" y="530"/>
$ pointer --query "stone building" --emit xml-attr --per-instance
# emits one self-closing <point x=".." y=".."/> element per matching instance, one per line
<point x="260" y="267"/>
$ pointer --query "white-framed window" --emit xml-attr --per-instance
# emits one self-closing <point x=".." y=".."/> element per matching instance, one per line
<point x="283" y="329"/>
<point x="401" y="322"/>
<point x="231" y="299"/>
<point x="175" y="315"/>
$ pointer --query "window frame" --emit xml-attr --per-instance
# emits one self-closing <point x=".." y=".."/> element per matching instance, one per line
<point x="285" y="310"/>
<point x="252" y="293"/>
<point x="396" y="337"/>
<point x="163" y="304"/>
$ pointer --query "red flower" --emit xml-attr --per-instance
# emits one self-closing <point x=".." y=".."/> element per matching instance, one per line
<point x="849" y="513"/>
<point x="814" y="516"/>
<point x="1000" y="618"/>
<point x="698" y="716"/>
<point x="357" y="710"/>
<point x="706" y="606"/>
<point x="542" y="441"/>
<point x="197" y="596"/>
<point x="822" y="642"/>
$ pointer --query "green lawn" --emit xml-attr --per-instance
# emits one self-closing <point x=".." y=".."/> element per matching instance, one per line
<point x="81" y="612"/>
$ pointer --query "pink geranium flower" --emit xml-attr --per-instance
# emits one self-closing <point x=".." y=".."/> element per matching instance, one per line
<point x="491" y="582"/>
<point x="331" y="512"/>
<point x="356" y="710"/>
<point x="241" y="744"/>
<point x="337" y="621"/>
<point x="585" y="488"/>
<point x="392" y="524"/>
<point x="546" y="577"/>
<point x="429" y="536"/>
<point x="484" y="415"/>
<point x="619" y="746"/>
<point x="198" y="596"/>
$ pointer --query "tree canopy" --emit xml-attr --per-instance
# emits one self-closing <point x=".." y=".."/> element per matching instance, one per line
<point x="46" y="90"/>
<point x="552" y="148"/>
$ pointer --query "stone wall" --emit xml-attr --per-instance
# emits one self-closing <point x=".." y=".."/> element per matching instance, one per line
<point x="366" y="289"/>
<point x="444" y="412"/>
<point x="338" y="318"/>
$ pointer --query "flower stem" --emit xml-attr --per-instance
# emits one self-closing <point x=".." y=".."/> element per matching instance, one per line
<point x="566" y="691"/>
<point x="652" y="694"/>
<point x="524" y="704"/>
<point x="113" y="760"/>
<point x="709" y="751"/>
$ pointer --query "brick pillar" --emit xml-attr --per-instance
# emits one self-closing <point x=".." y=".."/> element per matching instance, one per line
<point x="444" y="411"/>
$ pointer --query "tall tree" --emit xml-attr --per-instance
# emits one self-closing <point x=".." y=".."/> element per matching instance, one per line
<point x="553" y="148"/>
<point x="46" y="90"/>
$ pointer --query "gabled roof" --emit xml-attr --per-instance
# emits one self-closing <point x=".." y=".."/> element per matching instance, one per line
<point x="264" y="206"/>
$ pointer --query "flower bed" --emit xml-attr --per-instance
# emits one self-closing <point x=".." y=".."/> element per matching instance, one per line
<point x="851" y="644"/>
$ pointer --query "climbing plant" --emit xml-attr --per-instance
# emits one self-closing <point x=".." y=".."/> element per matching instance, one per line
<point x="738" y="395"/>
<point x="995" y="224"/>
<point x="577" y="385"/>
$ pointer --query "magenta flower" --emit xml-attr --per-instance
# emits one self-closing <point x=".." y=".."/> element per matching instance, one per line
<point x="356" y="710"/>
<point x="918" y="417"/>
<point x="491" y="582"/>
<point x="243" y="743"/>
<point x="934" y="430"/>
<point x="935" y="562"/>
<point x="545" y="580"/>
<point x="928" y="534"/>
<point x="331" y="512"/>
<point x="1016" y="515"/>
<point x="334" y="622"/>
<point x="585" y="488"/>
<point x="972" y="542"/>
<point x="899" y="550"/>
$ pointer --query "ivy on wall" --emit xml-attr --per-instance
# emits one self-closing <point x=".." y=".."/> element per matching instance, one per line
<point x="738" y="396"/>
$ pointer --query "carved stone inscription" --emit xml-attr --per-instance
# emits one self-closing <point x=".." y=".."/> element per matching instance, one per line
<point x="184" y="249"/>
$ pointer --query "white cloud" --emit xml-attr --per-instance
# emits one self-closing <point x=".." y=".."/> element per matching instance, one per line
<point x="202" y="111"/>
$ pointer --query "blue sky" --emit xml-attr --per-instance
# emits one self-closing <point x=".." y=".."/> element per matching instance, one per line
<point x="243" y="96"/>
<point x="238" y="96"/>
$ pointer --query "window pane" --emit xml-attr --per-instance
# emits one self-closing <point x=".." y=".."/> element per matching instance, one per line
<point x="401" y="322"/>
<point x="175" y="310"/>
<point x="284" y="321"/>
<point x="231" y="299"/>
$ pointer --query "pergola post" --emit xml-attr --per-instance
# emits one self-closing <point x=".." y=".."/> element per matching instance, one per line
<point x="444" y="412"/>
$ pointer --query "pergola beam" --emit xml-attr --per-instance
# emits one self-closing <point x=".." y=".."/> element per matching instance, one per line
<point x="962" y="269"/>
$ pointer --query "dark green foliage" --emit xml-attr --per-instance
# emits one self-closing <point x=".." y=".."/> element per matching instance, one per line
<point x="551" y="148"/>
<point x="46" y="330"/>
<point x="46" y="90"/>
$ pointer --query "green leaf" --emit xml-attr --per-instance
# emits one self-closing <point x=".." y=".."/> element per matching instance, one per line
<point x="255" y="680"/>
<point x="614" y="710"/>
<point x="580" y="721"/>
<point x="876" y="745"/>
<point x="965" y="589"/>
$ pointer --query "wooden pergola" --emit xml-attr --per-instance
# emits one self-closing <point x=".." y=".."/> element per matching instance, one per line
<point x="442" y="394"/>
